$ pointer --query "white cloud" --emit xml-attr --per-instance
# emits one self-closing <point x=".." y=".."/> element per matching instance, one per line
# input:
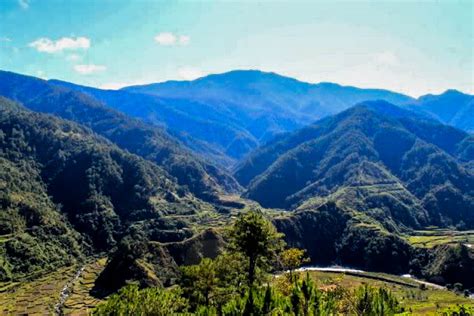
<point x="24" y="4"/>
<point x="189" y="73"/>
<point x="5" y="39"/>
<point x="73" y="57"/>
<point x="170" y="39"/>
<point x="386" y="58"/>
<point x="89" y="69"/>
<point x="46" y="45"/>
<point x="165" y="39"/>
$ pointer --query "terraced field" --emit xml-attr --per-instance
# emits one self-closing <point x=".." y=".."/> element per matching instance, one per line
<point x="414" y="299"/>
<point x="431" y="238"/>
<point x="41" y="296"/>
<point x="37" y="297"/>
<point x="80" y="301"/>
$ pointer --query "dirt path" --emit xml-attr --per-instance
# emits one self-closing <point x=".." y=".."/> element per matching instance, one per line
<point x="367" y="274"/>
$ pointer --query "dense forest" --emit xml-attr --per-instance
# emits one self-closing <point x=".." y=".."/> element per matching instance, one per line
<point x="43" y="210"/>
<point x="368" y="159"/>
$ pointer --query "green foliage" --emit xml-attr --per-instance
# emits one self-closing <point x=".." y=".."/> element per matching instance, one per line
<point x="257" y="239"/>
<point x="66" y="191"/>
<point x="374" y="250"/>
<point x="292" y="259"/>
<point x="458" y="311"/>
<point x="220" y="286"/>
<point x="367" y="301"/>
<point x="304" y="299"/>
<point x="34" y="236"/>
<point x="452" y="264"/>
<point x="200" y="281"/>
<point x="130" y="300"/>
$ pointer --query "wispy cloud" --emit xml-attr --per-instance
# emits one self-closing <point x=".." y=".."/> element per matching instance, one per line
<point x="5" y="39"/>
<point x="24" y="4"/>
<point x="89" y="69"/>
<point x="46" y="45"/>
<point x="189" y="73"/>
<point x="171" y="39"/>
<point x="73" y="57"/>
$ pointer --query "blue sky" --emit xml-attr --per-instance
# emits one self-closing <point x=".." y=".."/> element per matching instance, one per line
<point x="407" y="46"/>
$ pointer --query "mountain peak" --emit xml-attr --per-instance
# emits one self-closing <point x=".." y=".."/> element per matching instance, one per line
<point x="453" y="92"/>
<point x="449" y="93"/>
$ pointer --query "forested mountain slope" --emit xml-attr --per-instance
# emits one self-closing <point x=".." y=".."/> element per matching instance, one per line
<point x="202" y="127"/>
<point x="66" y="192"/>
<point x="203" y="178"/>
<point x="374" y="157"/>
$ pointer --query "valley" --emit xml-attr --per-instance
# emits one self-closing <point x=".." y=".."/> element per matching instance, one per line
<point x="415" y="299"/>
<point x="104" y="190"/>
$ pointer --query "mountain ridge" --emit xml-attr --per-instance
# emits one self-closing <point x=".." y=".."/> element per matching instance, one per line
<point x="451" y="107"/>
<point x="153" y="143"/>
<point x="235" y="112"/>
<point x="427" y="161"/>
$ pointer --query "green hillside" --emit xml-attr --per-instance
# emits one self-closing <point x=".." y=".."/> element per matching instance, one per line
<point x="47" y="220"/>
<point x="375" y="158"/>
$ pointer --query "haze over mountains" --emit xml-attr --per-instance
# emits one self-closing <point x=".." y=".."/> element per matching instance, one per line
<point x="451" y="107"/>
<point x="145" y="140"/>
<point x="225" y="116"/>
<point x="85" y="168"/>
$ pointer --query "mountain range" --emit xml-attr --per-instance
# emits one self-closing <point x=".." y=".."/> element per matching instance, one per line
<point x="374" y="157"/>
<point x="151" y="142"/>
<point x="225" y="116"/>
<point x="451" y="107"/>
<point x="344" y="172"/>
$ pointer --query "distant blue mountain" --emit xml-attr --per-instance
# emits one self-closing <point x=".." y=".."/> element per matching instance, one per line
<point x="150" y="142"/>
<point x="254" y="89"/>
<point x="451" y="107"/>
<point x="225" y="116"/>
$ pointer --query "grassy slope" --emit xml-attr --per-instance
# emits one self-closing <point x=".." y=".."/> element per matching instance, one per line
<point x="421" y="302"/>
